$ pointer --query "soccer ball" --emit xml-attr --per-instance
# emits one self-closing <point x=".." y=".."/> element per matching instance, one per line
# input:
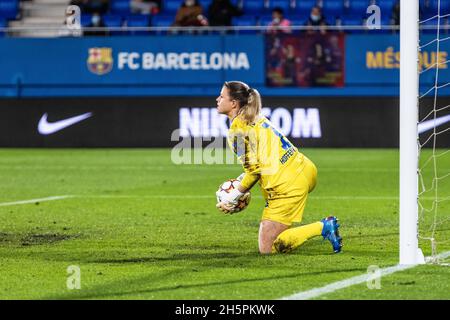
<point x="229" y="185"/>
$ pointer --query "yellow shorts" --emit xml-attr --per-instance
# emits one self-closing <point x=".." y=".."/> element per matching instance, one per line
<point x="289" y="208"/>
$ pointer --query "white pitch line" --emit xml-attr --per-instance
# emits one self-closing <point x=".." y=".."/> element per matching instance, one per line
<point x="198" y="196"/>
<point x="181" y="196"/>
<point x="204" y="196"/>
<point x="5" y="204"/>
<point x="220" y="166"/>
<point x="316" y="292"/>
<point x="156" y="196"/>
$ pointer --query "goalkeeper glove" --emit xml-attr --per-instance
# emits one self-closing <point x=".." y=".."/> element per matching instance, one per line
<point x="229" y="201"/>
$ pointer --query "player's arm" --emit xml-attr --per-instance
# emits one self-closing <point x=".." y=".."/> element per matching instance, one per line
<point x="249" y="181"/>
<point x="245" y="147"/>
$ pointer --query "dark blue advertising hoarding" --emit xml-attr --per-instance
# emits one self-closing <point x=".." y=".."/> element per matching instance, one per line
<point x="197" y="65"/>
<point x="180" y="60"/>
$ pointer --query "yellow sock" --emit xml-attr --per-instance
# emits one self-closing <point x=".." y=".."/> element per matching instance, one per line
<point x="292" y="238"/>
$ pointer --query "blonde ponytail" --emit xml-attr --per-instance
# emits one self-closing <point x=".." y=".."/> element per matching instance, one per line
<point x="252" y="109"/>
<point x="249" y="100"/>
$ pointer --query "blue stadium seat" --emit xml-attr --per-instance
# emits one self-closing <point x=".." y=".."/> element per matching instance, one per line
<point x="303" y="7"/>
<point x="444" y="6"/>
<point x="121" y="7"/>
<point x="386" y="6"/>
<point x="85" y="19"/>
<point x="429" y="8"/>
<point x="265" y="20"/>
<point x="9" y="9"/>
<point x="245" y="21"/>
<point x="283" y="4"/>
<point x="253" y="7"/>
<point x="357" y="8"/>
<point x="113" y="21"/>
<point x="331" y="20"/>
<point x="162" y="20"/>
<point x="352" y="20"/>
<point x="333" y="8"/>
<point x="205" y="4"/>
<point x="298" y="21"/>
<point x="171" y="6"/>
<point x="138" y="20"/>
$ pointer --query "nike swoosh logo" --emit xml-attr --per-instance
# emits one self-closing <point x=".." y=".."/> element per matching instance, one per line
<point x="433" y="123"/>
<point x="45" y="127"/>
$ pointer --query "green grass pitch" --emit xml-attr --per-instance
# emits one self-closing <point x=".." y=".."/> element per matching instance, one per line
<point x="140" y="227"/>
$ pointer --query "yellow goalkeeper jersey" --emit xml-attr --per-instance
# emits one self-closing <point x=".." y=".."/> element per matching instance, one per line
<point x="266" y="155"/>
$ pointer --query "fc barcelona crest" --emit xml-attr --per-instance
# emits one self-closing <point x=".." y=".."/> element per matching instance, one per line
<point x="100" y="60"/>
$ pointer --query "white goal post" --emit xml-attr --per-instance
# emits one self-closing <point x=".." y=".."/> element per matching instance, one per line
<point x="409" y="148"/>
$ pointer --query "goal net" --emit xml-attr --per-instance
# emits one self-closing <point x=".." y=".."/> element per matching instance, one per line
<point x="432" y="177"/>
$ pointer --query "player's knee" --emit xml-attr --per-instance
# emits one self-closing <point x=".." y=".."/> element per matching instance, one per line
<point x="279" y="246"/>
<point x="265" y="251"/>
<point x="265" y="248"/>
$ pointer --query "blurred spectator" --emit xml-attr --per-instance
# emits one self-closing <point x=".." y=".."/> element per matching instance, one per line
<point x="279" y="23"/>
<point x="96" y="22"/>
<point x="221" y="12"/>
<point x="190" y="14"/>
<point x="316" y="19"/>
<point x="145" y="6"/>
<point x="396" y="13"/>
<point x="92" y="6"/>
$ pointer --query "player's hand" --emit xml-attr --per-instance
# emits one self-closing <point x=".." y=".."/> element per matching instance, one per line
<point x="227" y="204"/>
<point x="245" y="196"/>
<point x="232" y="197"/>
<point x="227" y="208"/>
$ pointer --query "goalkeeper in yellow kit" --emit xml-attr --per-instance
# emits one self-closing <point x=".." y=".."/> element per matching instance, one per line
<point x="285" y="175"/>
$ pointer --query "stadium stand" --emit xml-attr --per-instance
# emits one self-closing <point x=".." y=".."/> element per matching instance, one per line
<point x="50" y="13"/>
